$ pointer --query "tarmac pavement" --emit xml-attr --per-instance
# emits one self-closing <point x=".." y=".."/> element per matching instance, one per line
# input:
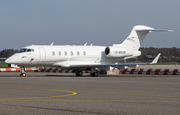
<point x="66" y="94"/>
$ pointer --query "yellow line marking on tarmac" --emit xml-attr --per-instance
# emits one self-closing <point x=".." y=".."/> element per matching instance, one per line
<point x="6" y="99"/>
<point x="130" y="94"/>
<point x="76" y="92"/>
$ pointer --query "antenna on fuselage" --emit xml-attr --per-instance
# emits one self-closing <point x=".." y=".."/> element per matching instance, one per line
<point x="85" y="44"/>
<point x="52" y="44"/>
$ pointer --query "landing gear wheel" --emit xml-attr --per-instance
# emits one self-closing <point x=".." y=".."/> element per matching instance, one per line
<point x="79" y="73"/>
<point x="94" y="74"/>
<point x="23" y="73"/>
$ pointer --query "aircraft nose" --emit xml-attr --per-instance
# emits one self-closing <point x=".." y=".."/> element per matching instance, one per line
<point x="8" y="60"/>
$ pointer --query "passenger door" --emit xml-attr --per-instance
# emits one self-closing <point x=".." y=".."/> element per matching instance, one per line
<point x="42" y="55"/>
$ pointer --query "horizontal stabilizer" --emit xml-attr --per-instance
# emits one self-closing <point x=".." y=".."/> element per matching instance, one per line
<point x="154" y="30"/>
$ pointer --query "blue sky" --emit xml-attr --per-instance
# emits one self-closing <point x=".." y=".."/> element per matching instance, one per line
<point x="75" y="22"/>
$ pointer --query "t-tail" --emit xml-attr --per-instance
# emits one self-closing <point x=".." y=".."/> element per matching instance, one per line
<point x="130" y="46"/>
<point x="137" y="35"/>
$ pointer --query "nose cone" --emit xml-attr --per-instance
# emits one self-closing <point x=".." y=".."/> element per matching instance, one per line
<point x="8" y="60"/>
<point x="14" y="59"/>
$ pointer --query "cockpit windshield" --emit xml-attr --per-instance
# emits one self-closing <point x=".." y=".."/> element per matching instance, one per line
<point x="30" y="50"/>
<point x="25" y="50"/>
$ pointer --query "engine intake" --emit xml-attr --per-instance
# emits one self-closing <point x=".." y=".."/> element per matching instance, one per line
<point x="107" y="50"/>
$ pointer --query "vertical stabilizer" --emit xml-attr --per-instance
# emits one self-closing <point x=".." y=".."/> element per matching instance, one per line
<point x="136" y="37"/>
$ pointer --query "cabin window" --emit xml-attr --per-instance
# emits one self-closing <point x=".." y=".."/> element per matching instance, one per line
<point x="65" y="53"/>
<point x="78" y="53"/>
<point x="59" y="53"/>
<point x="53" y="53"/>
<point x="84" y="53"/>
<point x="71" y="53"/>
<point x="116" y="52"/>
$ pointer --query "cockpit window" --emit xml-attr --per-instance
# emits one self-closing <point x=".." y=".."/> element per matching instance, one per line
<point x="22" y="50"/>
<point x="25" y="50"/>
<point x="30" y="50"/>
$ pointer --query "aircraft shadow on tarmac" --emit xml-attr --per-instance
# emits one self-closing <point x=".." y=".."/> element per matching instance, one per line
<point x="51" y="75"/>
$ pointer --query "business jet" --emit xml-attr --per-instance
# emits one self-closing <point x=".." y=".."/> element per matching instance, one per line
<point x="82" y="58"/>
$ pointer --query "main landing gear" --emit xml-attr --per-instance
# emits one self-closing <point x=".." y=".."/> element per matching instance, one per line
<point x="79" y="73"/>
<point x="93" y="73"/>
<point x="23" y="72"/>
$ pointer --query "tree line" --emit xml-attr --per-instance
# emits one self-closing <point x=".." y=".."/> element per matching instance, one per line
<point x="7" y="53"/>
<point x="167" y="54"/>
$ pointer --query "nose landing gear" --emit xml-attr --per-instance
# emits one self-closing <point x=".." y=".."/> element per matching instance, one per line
<point x="23" y="72"/>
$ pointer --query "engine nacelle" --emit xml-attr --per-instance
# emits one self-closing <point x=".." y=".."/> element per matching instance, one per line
<point x="115" y="52"/>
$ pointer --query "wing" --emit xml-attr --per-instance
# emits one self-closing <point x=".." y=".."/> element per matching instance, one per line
<point x="116" y="65"/>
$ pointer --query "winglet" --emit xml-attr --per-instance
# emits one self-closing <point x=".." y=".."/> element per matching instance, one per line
<point x="156" y="59"/>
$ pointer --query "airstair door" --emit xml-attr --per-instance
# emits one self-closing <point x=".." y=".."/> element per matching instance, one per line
<point x="42" y="55"/>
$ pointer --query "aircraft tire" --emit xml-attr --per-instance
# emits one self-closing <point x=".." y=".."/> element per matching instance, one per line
<point x="95" y="74"/>
<point x="79" y="73"/>
<point x="23" y="75"/>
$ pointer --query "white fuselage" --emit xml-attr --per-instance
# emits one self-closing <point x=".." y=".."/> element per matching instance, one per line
<point x="62" y="56"/>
